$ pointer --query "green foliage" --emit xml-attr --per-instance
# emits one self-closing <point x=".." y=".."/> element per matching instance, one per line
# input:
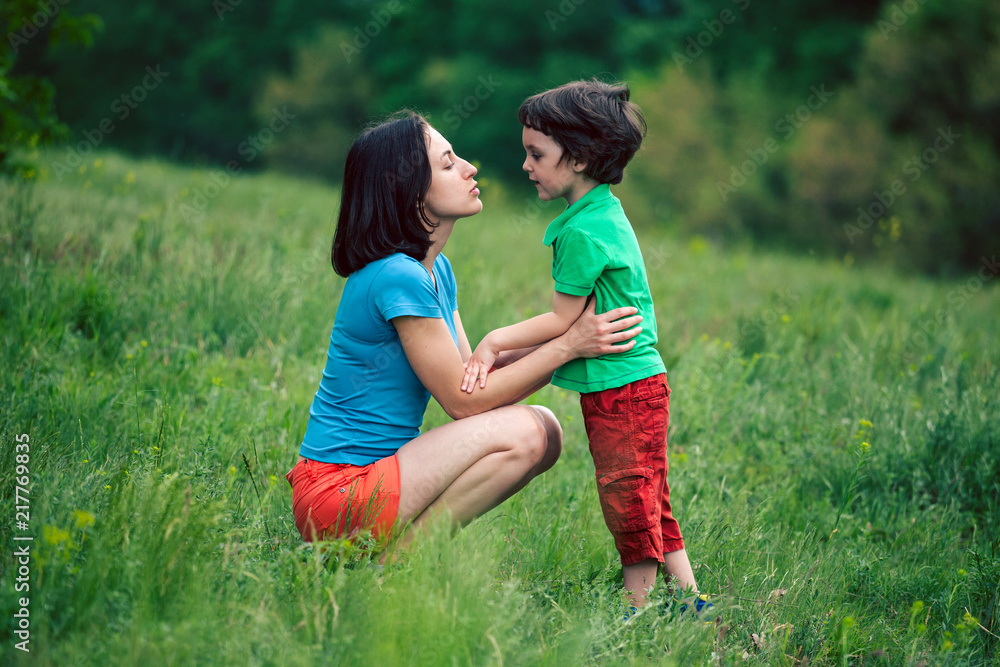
<point x="27" y="97"/>
<point x="862" y="131"/>
<point x="898" y="165"/>
<point x="834" y="467"/>
<point x="214" y="57"/>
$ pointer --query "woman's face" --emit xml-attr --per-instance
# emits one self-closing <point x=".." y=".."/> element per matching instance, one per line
<point x="453" y="193"/>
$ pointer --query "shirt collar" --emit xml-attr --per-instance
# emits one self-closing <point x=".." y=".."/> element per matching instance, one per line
<point x="597" y="194"/>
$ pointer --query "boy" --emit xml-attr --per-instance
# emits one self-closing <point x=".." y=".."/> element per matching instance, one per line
<point x="578" y="139"/>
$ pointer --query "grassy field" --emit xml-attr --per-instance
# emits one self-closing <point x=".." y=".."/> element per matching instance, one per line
<point x="834" y="448"/>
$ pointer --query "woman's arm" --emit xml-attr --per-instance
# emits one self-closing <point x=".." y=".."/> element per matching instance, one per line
<point x="438" y="363"/>
<point x="464" y="347"/>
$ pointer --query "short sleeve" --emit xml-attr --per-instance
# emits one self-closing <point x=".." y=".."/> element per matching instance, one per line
<point x="577" y="263"/>
<point x="403" y="287"/>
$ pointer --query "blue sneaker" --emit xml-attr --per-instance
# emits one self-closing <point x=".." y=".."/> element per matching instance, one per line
<point x="697" y="605"/>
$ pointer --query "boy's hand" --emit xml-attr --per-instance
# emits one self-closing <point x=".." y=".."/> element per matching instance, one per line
<point x="478" y="367"/>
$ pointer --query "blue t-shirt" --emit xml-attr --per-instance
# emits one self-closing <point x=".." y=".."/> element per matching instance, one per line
<point x="370" y="402"/>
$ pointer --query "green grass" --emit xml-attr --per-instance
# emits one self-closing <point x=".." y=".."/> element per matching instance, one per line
<point x="835" y="473"/>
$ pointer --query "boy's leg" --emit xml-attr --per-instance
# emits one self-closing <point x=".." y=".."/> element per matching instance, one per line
<point x="627" y="429"/>
<point x="675" y="559"/>
<point x="639" y="580"/>
<point x="677" y="565"/>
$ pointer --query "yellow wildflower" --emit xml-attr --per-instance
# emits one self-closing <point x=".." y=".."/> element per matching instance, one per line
<point x="54" y="536"/>
<point x="83" y="518"/>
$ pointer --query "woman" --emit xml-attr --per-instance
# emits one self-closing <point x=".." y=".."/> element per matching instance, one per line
<point x="398" y="339"/>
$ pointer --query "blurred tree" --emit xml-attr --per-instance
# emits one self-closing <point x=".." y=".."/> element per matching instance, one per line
<point x="213" y="56"/>
<point x="901" y="163"/>
<point x="330" y="103"/>
<point x="915" y="174"/>
<point x="27" y="97"/>
<point x="731" y="151"/>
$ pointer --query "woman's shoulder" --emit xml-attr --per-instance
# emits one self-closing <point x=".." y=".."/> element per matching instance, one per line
<point x="392" y="267"/>
<point x="443" y="263"/>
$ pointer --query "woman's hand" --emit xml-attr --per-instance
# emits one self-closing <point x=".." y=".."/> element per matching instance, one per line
<point x="595" y="335"/>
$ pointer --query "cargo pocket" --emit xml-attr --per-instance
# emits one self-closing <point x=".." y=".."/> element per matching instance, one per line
<point x="650" y="406"/>
<point x="627" y="499"/>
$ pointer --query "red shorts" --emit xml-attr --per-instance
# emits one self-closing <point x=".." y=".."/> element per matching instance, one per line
<point x="331" y="500"/>
<point x="627" y="428"/>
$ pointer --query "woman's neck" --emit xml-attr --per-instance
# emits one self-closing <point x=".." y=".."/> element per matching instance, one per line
<point x="439" y="237"/>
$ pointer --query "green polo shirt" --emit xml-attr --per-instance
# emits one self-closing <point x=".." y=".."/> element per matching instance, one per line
<point x="594" y="250"/>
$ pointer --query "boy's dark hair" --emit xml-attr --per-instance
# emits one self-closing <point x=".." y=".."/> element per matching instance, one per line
<point x="593" y="121"/>
<point x="386" y="177"/>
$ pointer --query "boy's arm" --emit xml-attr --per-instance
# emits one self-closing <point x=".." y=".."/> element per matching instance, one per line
<point x="507" y="357"/>
<point x="566" y="308"/>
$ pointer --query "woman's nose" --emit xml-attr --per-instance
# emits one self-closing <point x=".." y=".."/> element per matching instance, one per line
<point x="472" y="171"/>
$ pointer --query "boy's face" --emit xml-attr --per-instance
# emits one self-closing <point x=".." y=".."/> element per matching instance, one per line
<point x="554" y="177"/>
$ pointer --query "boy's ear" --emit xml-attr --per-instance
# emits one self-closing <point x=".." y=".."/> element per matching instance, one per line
<point x="579" y="165"/>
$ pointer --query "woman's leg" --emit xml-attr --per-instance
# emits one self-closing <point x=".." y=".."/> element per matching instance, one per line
<point x="472" y="465"/>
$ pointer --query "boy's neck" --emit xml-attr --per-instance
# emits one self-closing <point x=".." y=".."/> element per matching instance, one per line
<point x="579" y="190"/>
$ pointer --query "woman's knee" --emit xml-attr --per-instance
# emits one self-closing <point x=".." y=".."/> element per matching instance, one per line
<point x="551" y="434"/>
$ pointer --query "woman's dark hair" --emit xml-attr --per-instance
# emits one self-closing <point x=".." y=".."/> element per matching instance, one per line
<point x="386" y="177"/>
<point x="593" y="121"/>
